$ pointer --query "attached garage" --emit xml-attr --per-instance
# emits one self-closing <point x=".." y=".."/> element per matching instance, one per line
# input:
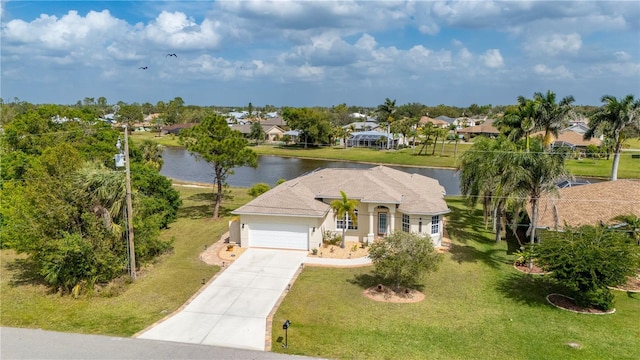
<point x="279" y="236"/>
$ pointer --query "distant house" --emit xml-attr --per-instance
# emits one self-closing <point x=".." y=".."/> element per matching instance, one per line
<point x="446" y="119"/>
<point x="572" y="139"/>
<point x="373" y="138"/>
<point x="272" y="132"/>
<point x="275" y="120"/>
<point x="590" y="204"/>
<point x="436" y="122"/>
<point x="362" y="126"/>
<point x="486" y="128"/>
<point x="175" y="128"/>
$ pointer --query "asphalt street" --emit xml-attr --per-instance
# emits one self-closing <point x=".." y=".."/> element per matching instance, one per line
<point x="16" y="343"/>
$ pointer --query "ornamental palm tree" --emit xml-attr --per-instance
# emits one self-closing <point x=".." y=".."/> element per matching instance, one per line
<point x="611" y="120"/>
<point x="386" y="113"/>
<point x="345" y="209"/>
<point x="488" y="171"/>
<point x="152" y="154"/>
<point x="538" y="174"/>
<point x="521" y="122"/>
<point x="552" y="117"/>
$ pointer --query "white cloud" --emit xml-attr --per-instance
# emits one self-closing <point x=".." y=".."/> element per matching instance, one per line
<point x="177" y="31"/>
<point x="555" y="44"/>
<point x="560" y="72"/>
<point x="492" y="59"/>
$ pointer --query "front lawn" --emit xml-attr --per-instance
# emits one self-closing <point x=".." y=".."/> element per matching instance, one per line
<point x="161" y="288"/>
<point x="477" y="307"/>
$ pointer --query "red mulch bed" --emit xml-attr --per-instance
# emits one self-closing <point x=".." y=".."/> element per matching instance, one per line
<point x="567" y="303"/>
<point x="535" y="270"/>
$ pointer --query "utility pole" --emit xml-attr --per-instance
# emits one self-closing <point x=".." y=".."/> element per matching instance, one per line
<point x="132" y="251"/>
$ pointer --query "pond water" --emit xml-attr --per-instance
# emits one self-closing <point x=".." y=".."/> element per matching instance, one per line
<point x="179" y="164"/>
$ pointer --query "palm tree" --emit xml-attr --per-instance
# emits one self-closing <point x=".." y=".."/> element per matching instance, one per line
<point x="152" y="154"/>
<point x="488" y="171"/>
<point x="538" y="174"/>
<point x="104" y="191"/>
<point x="611" y="119"/>
<point x="521" y="122"/>
<point x="345" y="209"/>
<point x="552" y="117"/>
<point x="386" y="113"/>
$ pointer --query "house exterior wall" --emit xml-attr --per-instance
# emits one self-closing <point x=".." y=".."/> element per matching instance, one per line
<point x="245" y="222"/>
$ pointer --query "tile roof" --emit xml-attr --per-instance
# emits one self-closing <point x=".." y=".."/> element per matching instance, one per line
<point x="484" y="128"/>
<point x="590" y="204"/>
<point x="572" y="137"/>
<point x="302" y="196"/>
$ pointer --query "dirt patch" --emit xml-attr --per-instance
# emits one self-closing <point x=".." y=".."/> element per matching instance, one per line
<point x="566" y="303"/>
<point x="632" y="285"/>
<point x="385" y="294"/>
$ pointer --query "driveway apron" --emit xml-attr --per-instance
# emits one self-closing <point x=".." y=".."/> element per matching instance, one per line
<point x="232" y="311"/>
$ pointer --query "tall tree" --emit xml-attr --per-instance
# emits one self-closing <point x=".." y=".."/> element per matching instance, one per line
<point x="552" y="117"/>
<point x="613" y="117"/>
<point x="345" y="209"/>
<point x="152" y="154"/>
<point x="313" y="124"/>
<point x="257" y="132"/>
<point x="539" y="171"/>
<point x="223" y="148"/>
<point x="520" y="121"/>
<point x="386" y="114"/>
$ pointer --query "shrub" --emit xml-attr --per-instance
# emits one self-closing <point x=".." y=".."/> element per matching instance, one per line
<point x="259" y="189"/>
<point x="403" y="258"/>
<point x="588" y="260"/>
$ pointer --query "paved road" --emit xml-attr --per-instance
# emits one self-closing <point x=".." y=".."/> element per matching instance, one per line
<point x="25" y="344"/>
<point x="232" y="311"/>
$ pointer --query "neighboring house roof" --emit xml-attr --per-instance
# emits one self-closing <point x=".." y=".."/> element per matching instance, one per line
<point x="484" y="128"/>
<point x="437" y="122"/>
<point x="362" y="125"/>
<point x="276" y="120"/>
<point x="590" y="204"/>
<point x="246" y="129"/>
<point x="570" y="138"/>
<point x="580" y="128"/>
<point x="446" y="118"/>
<point x="302" y="196"/>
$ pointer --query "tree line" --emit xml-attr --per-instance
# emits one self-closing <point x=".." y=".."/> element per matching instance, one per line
<point x="63" y="198"/>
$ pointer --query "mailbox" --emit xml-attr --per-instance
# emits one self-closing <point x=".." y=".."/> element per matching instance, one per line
<point x="286" y="324"/>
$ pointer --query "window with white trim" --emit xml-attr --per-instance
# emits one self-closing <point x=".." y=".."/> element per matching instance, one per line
<point x="350" y="224"/>
<point x="406" y="223"/>
<point x="435" y="224"/>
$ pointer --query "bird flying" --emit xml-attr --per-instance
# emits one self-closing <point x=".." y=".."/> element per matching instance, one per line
<point x="174" y="55"/>
<point x="143" y="67"/>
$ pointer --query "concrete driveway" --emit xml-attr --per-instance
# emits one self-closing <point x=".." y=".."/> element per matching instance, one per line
<point x="232" y="311"/>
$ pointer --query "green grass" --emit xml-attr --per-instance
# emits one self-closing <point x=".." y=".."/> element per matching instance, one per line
<point x="628" y="168"/>
<point x="161" y="288"/>
<point x="477" y="307"/>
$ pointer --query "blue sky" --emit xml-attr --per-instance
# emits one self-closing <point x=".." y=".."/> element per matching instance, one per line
<point x="318" y="53"/>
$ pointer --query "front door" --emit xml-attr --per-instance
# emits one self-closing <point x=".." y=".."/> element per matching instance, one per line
<point x="382" y="223"/>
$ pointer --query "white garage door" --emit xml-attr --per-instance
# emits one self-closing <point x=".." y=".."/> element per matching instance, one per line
<point x="279" y="236"/>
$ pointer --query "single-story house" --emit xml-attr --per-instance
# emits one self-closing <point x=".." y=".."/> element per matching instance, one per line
<point x="175" y="128"/>
<point x="276" y="120"/>
<point x="272" y="132"/>
<point x="436" y="122"/>
<point x="589" y="204"/>
<point x="486" y="129"/>
<point x="570" y="138"/>
<point x="297" y="213"/>
<point x="362" y="126"/>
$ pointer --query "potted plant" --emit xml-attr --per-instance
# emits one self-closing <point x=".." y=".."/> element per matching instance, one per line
<point x="314" y="251"/>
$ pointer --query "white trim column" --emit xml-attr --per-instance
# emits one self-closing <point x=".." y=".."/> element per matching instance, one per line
<point x="370" y="235"/>
<point x="392" y="219"/>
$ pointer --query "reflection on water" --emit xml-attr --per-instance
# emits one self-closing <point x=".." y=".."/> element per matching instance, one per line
<point x="181" y="165"/>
